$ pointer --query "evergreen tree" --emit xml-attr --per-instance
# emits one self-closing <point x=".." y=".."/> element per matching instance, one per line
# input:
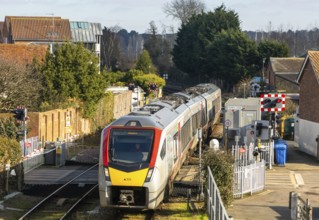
<point x="72" y="71"/>
<point x="272" y="48"/>
<point x="144" y="63"/>
<point x="195" y="37"/>
<point x="233" y="57"/>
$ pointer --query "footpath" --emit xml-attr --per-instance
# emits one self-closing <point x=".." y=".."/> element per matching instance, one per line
<point x="300" y="174"/>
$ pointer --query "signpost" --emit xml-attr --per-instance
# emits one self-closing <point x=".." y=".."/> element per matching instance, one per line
<point x="227" y="124"/>
<point x="7" y="168"/>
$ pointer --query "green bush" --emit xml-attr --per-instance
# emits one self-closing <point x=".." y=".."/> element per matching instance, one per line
<point x="221" y="164"/>
<point x="8" y="128"/>
<point x="10" y="153"/>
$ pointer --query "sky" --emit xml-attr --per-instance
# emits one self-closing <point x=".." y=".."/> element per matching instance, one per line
<point x="255" y="15"/>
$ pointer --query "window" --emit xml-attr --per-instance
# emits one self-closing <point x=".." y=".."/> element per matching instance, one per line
<point x="163" y="151"/>
<point x="130" y="146"/>
<point x="175" y="148"/>
<point x="186" y="134"/>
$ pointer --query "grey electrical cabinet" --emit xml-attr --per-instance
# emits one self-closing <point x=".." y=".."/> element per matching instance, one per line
<point x="240" y="112"/>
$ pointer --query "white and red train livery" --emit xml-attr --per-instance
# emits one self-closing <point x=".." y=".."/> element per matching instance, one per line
<point x="166" y="131"/>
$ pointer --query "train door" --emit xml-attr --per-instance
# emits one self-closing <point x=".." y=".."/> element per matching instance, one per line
<point x="175" y="147"/>
<point x="162" y="165"/>
<point x="170" y="154"/>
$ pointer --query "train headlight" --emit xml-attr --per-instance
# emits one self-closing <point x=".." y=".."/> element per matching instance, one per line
<point x="149" y="175"/>
<point x="106" y="173"/>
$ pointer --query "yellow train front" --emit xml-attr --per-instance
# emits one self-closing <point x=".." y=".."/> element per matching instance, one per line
<point x="142" y="152"/>
<point x="128" y="177"/>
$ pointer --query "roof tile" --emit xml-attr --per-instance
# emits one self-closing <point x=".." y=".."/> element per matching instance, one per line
<point x="22" y="53"/>
<point x="286" y="64"/>
<point x="39" y="28"/>
<point x="314" y="59"/>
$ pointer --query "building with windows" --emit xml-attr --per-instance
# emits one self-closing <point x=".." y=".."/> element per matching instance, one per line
<point x="35" y="30"/>
<point x="50" y="31"/>
<point x="89" y="34"/>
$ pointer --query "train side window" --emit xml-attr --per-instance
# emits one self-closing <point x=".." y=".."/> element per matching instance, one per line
<point x="175" y="148"/>
<point x="163" y="151"/>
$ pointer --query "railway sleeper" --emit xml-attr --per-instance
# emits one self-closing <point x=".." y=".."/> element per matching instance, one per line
<point x="185" y="189"/>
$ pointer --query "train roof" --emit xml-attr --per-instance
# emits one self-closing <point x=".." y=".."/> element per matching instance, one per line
<point x="161" y="112"/>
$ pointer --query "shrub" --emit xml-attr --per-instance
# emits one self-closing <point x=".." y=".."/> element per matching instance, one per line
<point x="10" y="152"/>
<point x="221" y="165"/>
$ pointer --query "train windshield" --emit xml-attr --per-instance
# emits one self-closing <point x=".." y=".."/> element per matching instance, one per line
<point x="130" y="146"/>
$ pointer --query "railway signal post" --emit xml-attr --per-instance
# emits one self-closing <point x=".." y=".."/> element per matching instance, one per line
<point x="20" y="114"/>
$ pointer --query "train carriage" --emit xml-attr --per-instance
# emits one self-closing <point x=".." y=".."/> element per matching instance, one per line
<point x="142" y="152"/>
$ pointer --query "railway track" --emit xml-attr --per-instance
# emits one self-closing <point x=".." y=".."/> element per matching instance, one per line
<point x="71" y="202"/>
<point x="61" y="203"/>
<point x="170" y="89"/>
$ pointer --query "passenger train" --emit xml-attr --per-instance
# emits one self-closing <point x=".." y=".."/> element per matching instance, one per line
<point x="165" y="131"/>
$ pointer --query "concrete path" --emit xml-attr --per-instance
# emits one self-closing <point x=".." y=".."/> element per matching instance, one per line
<point x="300" y="174"/>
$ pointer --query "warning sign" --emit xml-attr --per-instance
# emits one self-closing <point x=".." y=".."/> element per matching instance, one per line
<point x="58" y="150"/>
<point x="67" y="121"/>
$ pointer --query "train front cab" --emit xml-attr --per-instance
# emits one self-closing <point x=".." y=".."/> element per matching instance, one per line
<point x="129" y="178"/>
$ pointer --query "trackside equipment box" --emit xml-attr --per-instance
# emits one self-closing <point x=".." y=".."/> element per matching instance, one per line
<point x="241" y="112"/>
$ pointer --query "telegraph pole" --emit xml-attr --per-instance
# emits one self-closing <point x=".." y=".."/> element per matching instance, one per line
<point x="24" y="131"/>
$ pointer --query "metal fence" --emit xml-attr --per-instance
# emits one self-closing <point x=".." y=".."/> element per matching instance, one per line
<point x="245" y="155"/>
<point x="215" y="207"/>
<point x="32" y="162"/>
<point x="30" y="146"/>
<point x="300" y="208"/>
<point x="249" y="179"/>
<point x="249" y="167"/>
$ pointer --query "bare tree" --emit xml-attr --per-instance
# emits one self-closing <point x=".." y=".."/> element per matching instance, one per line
<point x="109" y="46"/>
<point x="183" y="10"/>
<point x="152" y="29"/>
<point x="19" y="86"/>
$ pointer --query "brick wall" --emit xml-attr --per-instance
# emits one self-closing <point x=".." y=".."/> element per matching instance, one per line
<point x="68" y="123"/>
<point x="309" y="99"/>
<point x="61" y="124"/>
<point x="282" y="84"/>
<point x="122" y="103"/>
<point x="51" y="125"/>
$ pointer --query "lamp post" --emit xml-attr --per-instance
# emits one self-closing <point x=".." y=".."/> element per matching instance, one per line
<point x="262" y="79"/>
<point x="244" y="84"/>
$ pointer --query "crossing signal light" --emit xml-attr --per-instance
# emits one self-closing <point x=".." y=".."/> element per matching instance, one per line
<point x="131" y="86"/>
<point x="272" y="102"/>
<point x="19" y="114"/>
<point x="278" y="119"/>
<point x="152" y="86"/>
<point x="259" y="128"/>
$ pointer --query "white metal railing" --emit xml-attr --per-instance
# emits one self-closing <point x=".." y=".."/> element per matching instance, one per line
<point x="30" y="146"/>
<point x="215" y="206"/>
<point x="32" y="162"/>
<point x="244" y="155"/>
<point x="249" y="179"/>
<point x="299" y="208"/>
